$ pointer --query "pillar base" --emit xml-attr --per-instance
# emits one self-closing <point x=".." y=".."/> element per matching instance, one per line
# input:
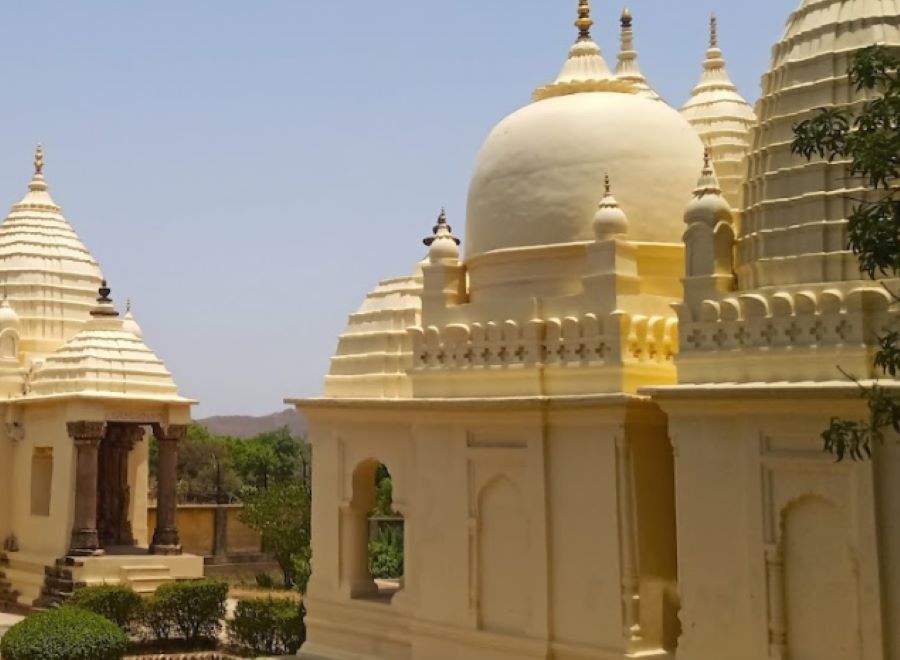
<point x="165" y="542"/>
<point x="84" y="542"/>
<point x="165" y="549"/>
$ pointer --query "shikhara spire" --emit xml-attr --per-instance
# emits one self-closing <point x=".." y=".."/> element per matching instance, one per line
<point x="722" y="118"/>
<point x="628" y="68"/>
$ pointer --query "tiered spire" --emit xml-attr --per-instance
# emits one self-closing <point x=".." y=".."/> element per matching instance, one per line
<point x="585" y="70"/>
<point x="722" y="118"/>
<point x="628" y="68"/>
<point x="442" y="245"/>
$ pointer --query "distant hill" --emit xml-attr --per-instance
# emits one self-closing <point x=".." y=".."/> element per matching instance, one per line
<point x="244" y="426"/>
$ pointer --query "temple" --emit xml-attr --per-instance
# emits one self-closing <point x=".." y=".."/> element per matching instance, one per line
<point x="81" y="394"/>
<point x="602" y="409"/>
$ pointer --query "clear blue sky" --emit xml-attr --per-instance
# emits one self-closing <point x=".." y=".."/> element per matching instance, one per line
<point x="247" y="171"/>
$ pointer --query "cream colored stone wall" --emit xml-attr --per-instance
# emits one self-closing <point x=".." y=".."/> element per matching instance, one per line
<point x="513" y="516"/>
<point x="781" y="549"/>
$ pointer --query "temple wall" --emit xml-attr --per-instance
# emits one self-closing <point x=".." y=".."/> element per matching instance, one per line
<point x="778" y="549"/>
<point x="6" y="454"/>
<point x="43" y="531"/>
<point x="512" y="523"/>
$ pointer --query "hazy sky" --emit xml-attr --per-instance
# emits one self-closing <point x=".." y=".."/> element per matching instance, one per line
<point x="247" y="171"/>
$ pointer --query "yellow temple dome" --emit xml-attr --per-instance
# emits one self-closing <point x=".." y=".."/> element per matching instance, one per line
<point x="104" y="359"/>
<point x="540" y="173"/>
<point x="49" y="275"/>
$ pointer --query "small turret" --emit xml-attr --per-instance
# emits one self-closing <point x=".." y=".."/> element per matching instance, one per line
<point x="443" y="245"/>
<point x="610" y="220"/>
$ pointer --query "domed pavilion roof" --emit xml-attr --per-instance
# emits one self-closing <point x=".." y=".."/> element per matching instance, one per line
<point x="540" y="173"/>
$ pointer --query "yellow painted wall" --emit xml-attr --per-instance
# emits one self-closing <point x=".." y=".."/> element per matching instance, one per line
<point x="196" y="522"/>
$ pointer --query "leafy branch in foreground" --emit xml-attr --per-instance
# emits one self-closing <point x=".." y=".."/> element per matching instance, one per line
<point x="870" y="141"/>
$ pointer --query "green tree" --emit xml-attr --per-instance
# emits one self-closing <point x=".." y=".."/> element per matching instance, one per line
<point x="870" y="141"/>
<point x="267" y="459"/>
<point x="205" y="467"/>
<point x="281" y="514"/>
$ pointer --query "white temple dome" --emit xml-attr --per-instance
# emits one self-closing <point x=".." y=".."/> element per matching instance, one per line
<point x="540" y="173"/>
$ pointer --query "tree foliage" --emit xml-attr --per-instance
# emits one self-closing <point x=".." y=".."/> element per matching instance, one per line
<point x="281" y="514"/>
<point x="870" y="141"/>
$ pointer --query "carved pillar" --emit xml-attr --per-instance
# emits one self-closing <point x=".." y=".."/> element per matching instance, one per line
<point x="86" y="437"/>
<point x="631" y="599"/>
<point x="775" y="579"/>
<point x="165" y="537"/>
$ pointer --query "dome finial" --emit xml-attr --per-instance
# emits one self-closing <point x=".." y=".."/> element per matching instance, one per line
<point x="606" y="183"/>
<point x="626" y="19"/>
<point x="713" y="31"/>
<point x="584" y="22"/>
<point x="39" y="160"/>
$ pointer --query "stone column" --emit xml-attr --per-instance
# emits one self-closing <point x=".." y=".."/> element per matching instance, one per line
<point x="165" y="537"/>
<point x="87" y="437"/>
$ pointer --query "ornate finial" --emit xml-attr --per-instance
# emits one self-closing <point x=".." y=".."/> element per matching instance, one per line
<point x="441" y="229"/>
<point x="713" y="31"/>
<point x="584" y="21"/>
<point x="128" y="306"/>
<point x="39" y="160"/>
<point x="104" y="306"/>
<point x="606" y="183"/>
<point x="707" y="156"/>
<point x="626" y="18"/>
<point x="104" y="292"/>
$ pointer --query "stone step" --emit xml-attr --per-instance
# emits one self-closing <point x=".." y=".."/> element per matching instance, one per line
<point x="148" y="585"/>
<point x="145" y="578"/>
<point x="145" y="569"/>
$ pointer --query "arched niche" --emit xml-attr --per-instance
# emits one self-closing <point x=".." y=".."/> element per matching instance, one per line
<point x="504" y="576"/>
<point x="362" y="522"/>
<point x="820" y="584"/>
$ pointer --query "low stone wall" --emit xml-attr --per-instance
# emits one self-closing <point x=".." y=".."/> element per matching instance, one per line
<point x="212" y="530"/>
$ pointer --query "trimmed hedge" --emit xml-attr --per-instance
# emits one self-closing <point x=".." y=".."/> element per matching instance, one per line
<point x="120" y="604"/>
<point x="268" y="625"/>
<point x="193" y="610"/>
<point x="68" y="633"/>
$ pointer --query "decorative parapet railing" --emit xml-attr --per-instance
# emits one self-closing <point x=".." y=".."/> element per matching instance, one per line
<point x="568" y="341"/>
<point x="806" y="319"/>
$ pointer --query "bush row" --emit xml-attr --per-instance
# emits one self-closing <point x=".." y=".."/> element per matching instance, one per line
<point x="95" y="623"/>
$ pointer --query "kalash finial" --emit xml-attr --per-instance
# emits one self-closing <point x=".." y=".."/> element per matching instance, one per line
<point x="626" y="19"/>
<point x="584" y="22"/>
<point x="713" y="31"/>
<point x="104" y="306"/>
<point x="39" y="160"/>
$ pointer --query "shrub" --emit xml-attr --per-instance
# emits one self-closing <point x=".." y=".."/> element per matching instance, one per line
<point x="68" y="633"/>
<point x="386" y="553"/>
<point x="265" y="581"/>
<point x="119" y="604"/>
<point x="194" y="609"/>
<point x="158" y="615"/>
<point x="268" y="625"/>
